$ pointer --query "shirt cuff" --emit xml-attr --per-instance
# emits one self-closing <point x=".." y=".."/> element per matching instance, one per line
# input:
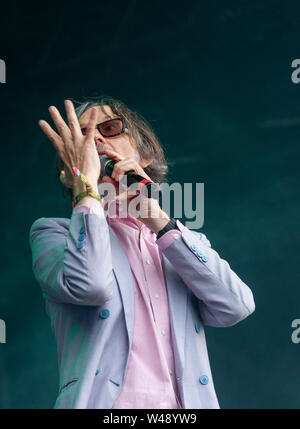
<point x="96" y="208"/>
<point x="167" y="239"/>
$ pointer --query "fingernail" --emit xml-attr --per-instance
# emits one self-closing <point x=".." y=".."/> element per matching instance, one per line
<point x="52" y="108"/>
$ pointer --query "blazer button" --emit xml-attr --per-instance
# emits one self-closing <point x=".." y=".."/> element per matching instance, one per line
<point x="203" y="379"/>
<point x="204" y="258"/>
<point x="199" y="254"/>
<point x="81" y="237"/>
<point x="193" y="248"/>
<point x="104" y="313"/>
<point x="197" y="327"/>
<point x="98" y="371"/>
<point x="79" y="245"/>
<point x="82" y="230"/>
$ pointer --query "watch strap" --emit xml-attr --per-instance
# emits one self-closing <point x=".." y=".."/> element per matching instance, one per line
<point x="170" y="225"/>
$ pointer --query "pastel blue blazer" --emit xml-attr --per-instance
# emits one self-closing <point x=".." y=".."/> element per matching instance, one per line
<point x="89" y="296"/>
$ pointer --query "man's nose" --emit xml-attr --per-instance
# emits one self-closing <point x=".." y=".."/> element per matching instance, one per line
<point x="98" y="137"/>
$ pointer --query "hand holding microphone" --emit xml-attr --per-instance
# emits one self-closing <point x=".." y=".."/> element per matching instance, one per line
<point x="131" y="169"/>
<point x="150" y="213"/>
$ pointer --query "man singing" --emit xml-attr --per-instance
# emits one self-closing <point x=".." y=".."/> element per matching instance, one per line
<point x="128" y="297"/>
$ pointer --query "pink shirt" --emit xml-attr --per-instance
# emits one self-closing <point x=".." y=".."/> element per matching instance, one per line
<point x="150" y="379"/>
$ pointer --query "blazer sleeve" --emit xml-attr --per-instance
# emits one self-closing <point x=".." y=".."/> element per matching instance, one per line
<point x="223" y="298"/>
<point x="73" y="264"/>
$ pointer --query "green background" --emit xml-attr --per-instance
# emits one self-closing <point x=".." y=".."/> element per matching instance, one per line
<point x="214" y="80"/>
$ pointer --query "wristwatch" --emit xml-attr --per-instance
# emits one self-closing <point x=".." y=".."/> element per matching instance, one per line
<point x="170" y="225"/>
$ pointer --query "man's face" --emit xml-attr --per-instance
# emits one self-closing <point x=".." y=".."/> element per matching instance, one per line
<point x="120" y="144"/>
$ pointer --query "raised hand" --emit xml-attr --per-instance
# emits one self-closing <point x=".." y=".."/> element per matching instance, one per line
<point x="74" y="148"/>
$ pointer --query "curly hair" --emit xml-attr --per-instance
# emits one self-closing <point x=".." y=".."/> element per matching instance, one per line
<point x="139" y="130"/>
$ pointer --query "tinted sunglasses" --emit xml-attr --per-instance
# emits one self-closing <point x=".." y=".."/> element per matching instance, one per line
<point x="112" y="127"/>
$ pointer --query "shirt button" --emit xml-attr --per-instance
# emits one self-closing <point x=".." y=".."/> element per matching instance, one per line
<point x="148" y="261"/>
<point x="163" y="332"/>
<point x="175" y="236"/>
<point x="171" y="372"/>
<point x="156" y="295"/>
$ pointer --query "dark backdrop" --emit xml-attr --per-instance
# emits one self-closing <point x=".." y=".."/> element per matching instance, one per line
<point x="214" y="80"/>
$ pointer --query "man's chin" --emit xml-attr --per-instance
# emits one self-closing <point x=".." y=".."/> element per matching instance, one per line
<point x="107" y="179"/>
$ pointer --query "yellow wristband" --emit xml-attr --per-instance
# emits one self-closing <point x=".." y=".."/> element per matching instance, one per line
<point x="89" y="189"/>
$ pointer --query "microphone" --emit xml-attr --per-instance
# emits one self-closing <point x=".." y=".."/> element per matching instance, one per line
<point x="148" y="188"/>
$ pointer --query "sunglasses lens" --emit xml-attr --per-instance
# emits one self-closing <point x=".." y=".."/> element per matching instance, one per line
<point x="111" y="128"/>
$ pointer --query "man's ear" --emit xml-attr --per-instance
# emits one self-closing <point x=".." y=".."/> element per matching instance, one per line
<point x="146" y="162"/>
<point x="64" y="180"/>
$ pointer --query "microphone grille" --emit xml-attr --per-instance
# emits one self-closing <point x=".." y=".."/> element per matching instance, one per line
<point x="103" y="161"/>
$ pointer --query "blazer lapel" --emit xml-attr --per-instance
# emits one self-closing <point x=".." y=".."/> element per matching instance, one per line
<point x="177" y="296"/>
<point x="125" y="281"/>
